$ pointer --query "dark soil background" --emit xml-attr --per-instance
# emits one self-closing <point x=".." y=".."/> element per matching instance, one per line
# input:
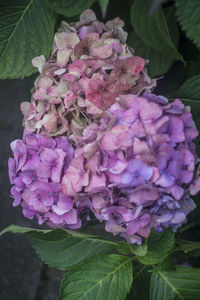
<point x="22" y="274"/>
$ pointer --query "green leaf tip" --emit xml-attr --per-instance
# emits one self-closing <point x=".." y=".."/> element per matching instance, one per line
<point x="26" y="31"/>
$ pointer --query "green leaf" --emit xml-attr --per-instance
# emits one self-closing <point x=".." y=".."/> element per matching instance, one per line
<point x="141" y="283"/>
<point x="102" y="277"/>
<point x="153" y="30"/>
<point x="70" y="8"/>
<point x="155" y="4"/>
<point x="187" y="246"/>
<point x="19" y="229"/>
<point x="171" y="20"/>
<point x="126" y="248"/>
<point x="71" y="243"/>
<point x="159" y="245"/>
<point x="184" y="284"/>
<point x="190" y="89"/>
<point x="160" y="289"/>
<point x="166" y="265"/>
<point x="139" y="250"/>
<point x="189" y="15"/>
<point x="123" y="247"/>
<point x="104" y="6"/>
<point x="26" y="31"/>
<point x="60" y="250"/>
<point x="159" y="63"/>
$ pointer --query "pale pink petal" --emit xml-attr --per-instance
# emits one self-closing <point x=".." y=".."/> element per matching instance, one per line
<point x="109" y="142"/>
<point x="49" y="122"/>
<point x="63" y="57"/>
<point x="102" y="51"/>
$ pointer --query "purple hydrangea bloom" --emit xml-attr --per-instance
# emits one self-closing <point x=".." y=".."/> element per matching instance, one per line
<point x="36" y="171"/>
<point x="137" y="166"/>
<point x="136" y="173"/>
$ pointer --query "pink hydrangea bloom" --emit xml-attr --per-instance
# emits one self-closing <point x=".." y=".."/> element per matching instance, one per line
<point x="90" y="65"/>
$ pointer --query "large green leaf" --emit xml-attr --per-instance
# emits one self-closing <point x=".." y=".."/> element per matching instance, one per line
<point x="26" y="31"/>
<point x="71" y="8"/>
<point x="190" y="89"/>
<point x="152" y="30"/>
<point x="107" y="277"/>
<point x="59" y="250"/>
<point x="166" y="265"/>
<point x="189" y="15"/>
<point x="63" y="249"/>
<point x="159" y="63"/>
<point x="172" y="24"/>
<point x="188" y="247"/>
<point x="155" y="4"/>
<point x="141" y="283"/>
<point x="159" y="245"/>
<point x="184" y="284"/>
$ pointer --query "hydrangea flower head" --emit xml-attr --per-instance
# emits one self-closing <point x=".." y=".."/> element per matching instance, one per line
<point x="90" y="65"/>
<point x="36" y="171"/>
<point x="97" y="142"/>
<point x="137" y="166"/>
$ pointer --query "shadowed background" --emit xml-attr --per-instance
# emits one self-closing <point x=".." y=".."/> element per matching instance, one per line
<point x="22" y="274"/>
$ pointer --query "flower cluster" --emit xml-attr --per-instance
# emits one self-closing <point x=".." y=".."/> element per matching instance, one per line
<point x="36" y="172"/>
<point x="137" y="166"/>
<point x="89" y="67"/>
<point x="119" y="154"/>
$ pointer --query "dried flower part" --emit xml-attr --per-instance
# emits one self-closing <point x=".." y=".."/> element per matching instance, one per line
<point x="90" y="66"/>
<point x="137" y="166"/>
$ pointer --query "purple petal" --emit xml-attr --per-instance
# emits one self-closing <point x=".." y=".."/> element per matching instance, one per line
<point x="32" y="160"/>
<point x="165" y="180"/>
<point x="146" y="172"/>
<point x="11" y="169"/>
<point x="71" y="217"/>
<point x="177" y="130"/>
<point x="140" y="196"/>
<point x="48" y="155"/>
<point x="178" y="217"/>
<point x="177" y="191"/>
<point x="57" y="169"/>
<point x="16" y="195"/>
<point x="44" y="170"/>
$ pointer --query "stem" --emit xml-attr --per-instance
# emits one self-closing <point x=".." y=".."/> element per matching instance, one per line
<point x="188" y="226"/>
